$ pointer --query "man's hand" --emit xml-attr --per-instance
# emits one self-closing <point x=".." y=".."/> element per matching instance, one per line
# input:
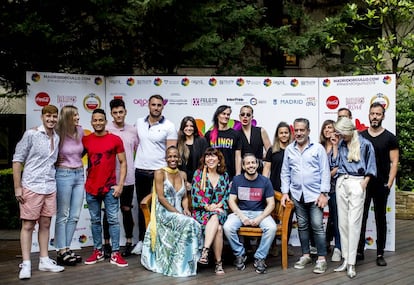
<point x="322" y="201"/>
<point x="117" y="190"/>
<point x="285" y="198"/>
<point x="18" y="192"/>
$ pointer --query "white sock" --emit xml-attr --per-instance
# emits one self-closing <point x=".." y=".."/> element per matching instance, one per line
<point x="44" y="258"/>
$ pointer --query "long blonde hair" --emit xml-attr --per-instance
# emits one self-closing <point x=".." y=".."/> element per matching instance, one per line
<point x="346" y="127"/>
<point x="65" y="126"/>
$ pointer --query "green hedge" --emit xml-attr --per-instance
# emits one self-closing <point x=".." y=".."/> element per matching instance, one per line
<point x="9" y="208"/>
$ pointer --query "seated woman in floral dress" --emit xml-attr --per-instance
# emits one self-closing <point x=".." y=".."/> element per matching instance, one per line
<point x="209" y="196"/>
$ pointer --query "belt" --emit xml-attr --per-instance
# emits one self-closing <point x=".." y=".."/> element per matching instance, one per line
<point x="146" y="171"/>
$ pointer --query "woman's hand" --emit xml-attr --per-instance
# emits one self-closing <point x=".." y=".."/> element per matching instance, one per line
<point x="186" y="212"/>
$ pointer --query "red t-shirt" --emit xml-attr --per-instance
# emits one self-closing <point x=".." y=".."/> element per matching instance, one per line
<point x="102" y="154"/>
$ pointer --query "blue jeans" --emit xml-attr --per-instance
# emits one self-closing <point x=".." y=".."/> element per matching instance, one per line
<point x="69" y="196"/>
<point x="233" y="224"/>
<point x="111" y="208"/>
<point x="310" y="214"/>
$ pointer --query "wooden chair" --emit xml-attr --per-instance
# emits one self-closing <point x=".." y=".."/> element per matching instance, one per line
<point x="280" y="214"/>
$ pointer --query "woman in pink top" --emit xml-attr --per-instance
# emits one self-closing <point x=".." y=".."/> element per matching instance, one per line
<point x="70" y="184"/>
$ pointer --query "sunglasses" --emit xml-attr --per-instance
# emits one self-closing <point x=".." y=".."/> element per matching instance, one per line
<point x="245" y="115"/>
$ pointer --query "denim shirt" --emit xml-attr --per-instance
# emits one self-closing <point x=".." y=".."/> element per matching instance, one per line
<point x="366" y="166"/>
<point x="305" y="172"/>
<point x="34" y="150"/>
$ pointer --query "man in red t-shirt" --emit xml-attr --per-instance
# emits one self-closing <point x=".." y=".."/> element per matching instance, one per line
<point x="103" y="149"/>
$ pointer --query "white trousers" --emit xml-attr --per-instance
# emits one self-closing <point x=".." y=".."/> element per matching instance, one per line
<point x="350" y="199"/>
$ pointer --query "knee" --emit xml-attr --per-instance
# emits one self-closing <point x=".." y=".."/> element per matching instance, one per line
<point x="28" y="226"/>
<point x="125" y="209"/>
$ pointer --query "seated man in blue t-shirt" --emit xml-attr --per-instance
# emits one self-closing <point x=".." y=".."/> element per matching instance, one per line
<point x="251" y="201"/>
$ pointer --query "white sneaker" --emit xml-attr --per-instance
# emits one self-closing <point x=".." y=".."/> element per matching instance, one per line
<point x="137" y="249"/>
<point x="25" y="271"/>
<point x="337" y="255"/>
<point x="50" y="265"/>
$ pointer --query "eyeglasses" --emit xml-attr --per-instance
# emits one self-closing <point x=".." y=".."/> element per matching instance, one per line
<point x="245" y="115"/>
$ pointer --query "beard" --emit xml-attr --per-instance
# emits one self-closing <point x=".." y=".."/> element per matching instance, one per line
<point x="376" y="124"/>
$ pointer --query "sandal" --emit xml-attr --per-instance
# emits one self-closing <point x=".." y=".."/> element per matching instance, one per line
<point x="219" y="268"/>
<point x="65" y="259"/>
<point x="204" y="256"/>
<point x="77" y="256"/>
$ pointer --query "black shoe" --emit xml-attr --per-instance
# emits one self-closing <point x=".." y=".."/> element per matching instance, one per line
<point x="239" y="262"/>
<point x="360" y="256"/>
<point x="128" y="248"/>
<point x="381" y="261"/>
<point x="65" y="259"/>
<point x="260" y="266"/>
<point x="107" y="249"/>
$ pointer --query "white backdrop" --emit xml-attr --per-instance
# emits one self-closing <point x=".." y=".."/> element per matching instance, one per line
<point x="274" y="99"/>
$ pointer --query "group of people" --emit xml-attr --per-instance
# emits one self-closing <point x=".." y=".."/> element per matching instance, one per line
<point x="203" y="188"/>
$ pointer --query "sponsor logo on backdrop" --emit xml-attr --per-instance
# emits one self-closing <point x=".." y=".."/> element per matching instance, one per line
<point x="332" y="102"/>
<point x="307" y="82"/>
<point x="42" y="99"/>
<point x="326" y="82"/>
<point x="291" y="101"/>
<point x="204" y="101"/>
<point x="98" y="81"/>
<point x="253" y="82"/>
<point x="212" y="82"/>
<point x="382" y="99"/>
<point x="173" y="82"/>
<point x="66" y="100"/>
<point x="91" y="102"/>
<point x="274" y="101"/>
<point x="185" y="81"/>
<point x="35" y="77"/>
<point x="197" y="81"/>
<point x="144" y="82"/>
<point x="267" y="82"/>
<point x="310" y="101"/>
<point x="387" y="79"/>
<point x="157" y="81"/>
<point x="240" y="82"/>
<point x="226" y="81"/>
<point x="130" y="81"/>
<point x="294" y="82"/>
<point x="178" y="102"/>
<point x="117" y="82"/>
<point x="356" y="81"/>
<point x="279" y="82"/>
<point x="236" y="101"/>
<point x="248" y="95"/>
<point x="354" y="103"/>
<point x="253" y="101"/>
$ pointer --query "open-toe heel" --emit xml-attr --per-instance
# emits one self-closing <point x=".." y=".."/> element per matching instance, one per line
<point x="204" y="256"/>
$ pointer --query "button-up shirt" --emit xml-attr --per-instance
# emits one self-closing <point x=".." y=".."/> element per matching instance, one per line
<point x="35" y="151"/>
<point x="305" y="172"/>
<point x="366" y="166"/>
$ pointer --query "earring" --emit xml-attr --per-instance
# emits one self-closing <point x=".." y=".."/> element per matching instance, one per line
<point x="218" y="164"/>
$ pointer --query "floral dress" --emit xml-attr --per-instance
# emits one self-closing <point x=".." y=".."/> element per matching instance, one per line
<point x="177" y="241"/>
<point x="202" y="197"/>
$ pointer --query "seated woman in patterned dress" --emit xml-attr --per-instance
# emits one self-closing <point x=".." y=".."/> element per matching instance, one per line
<point x="209" y="196"/>
<point x="171" y="243"/>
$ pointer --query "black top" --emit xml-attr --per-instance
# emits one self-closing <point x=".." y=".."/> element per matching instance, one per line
<point x="256" y="142"/>
<point x="276" y="160"/>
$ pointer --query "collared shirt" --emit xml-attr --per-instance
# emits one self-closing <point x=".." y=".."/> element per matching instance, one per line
<point x="35" y="151"/>
<point x="305" y="172"/>
<point x="364" y="167"/>
<point x="129" y="137"/>
<point x="152" y="143"/>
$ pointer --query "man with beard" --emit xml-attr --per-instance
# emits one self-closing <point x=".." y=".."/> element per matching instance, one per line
<point x="386" y="155"/>
<point x="306" y="176"/>
<point x="155" y="135"/>
<point x="252" y="201"/>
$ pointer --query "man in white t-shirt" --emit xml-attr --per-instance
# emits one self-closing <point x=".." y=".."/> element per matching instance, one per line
<point x="155" y="134"/>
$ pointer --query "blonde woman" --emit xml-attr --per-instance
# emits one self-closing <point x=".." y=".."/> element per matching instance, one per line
<point x="69" y="182"/>
<point x="355" y="159"/>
